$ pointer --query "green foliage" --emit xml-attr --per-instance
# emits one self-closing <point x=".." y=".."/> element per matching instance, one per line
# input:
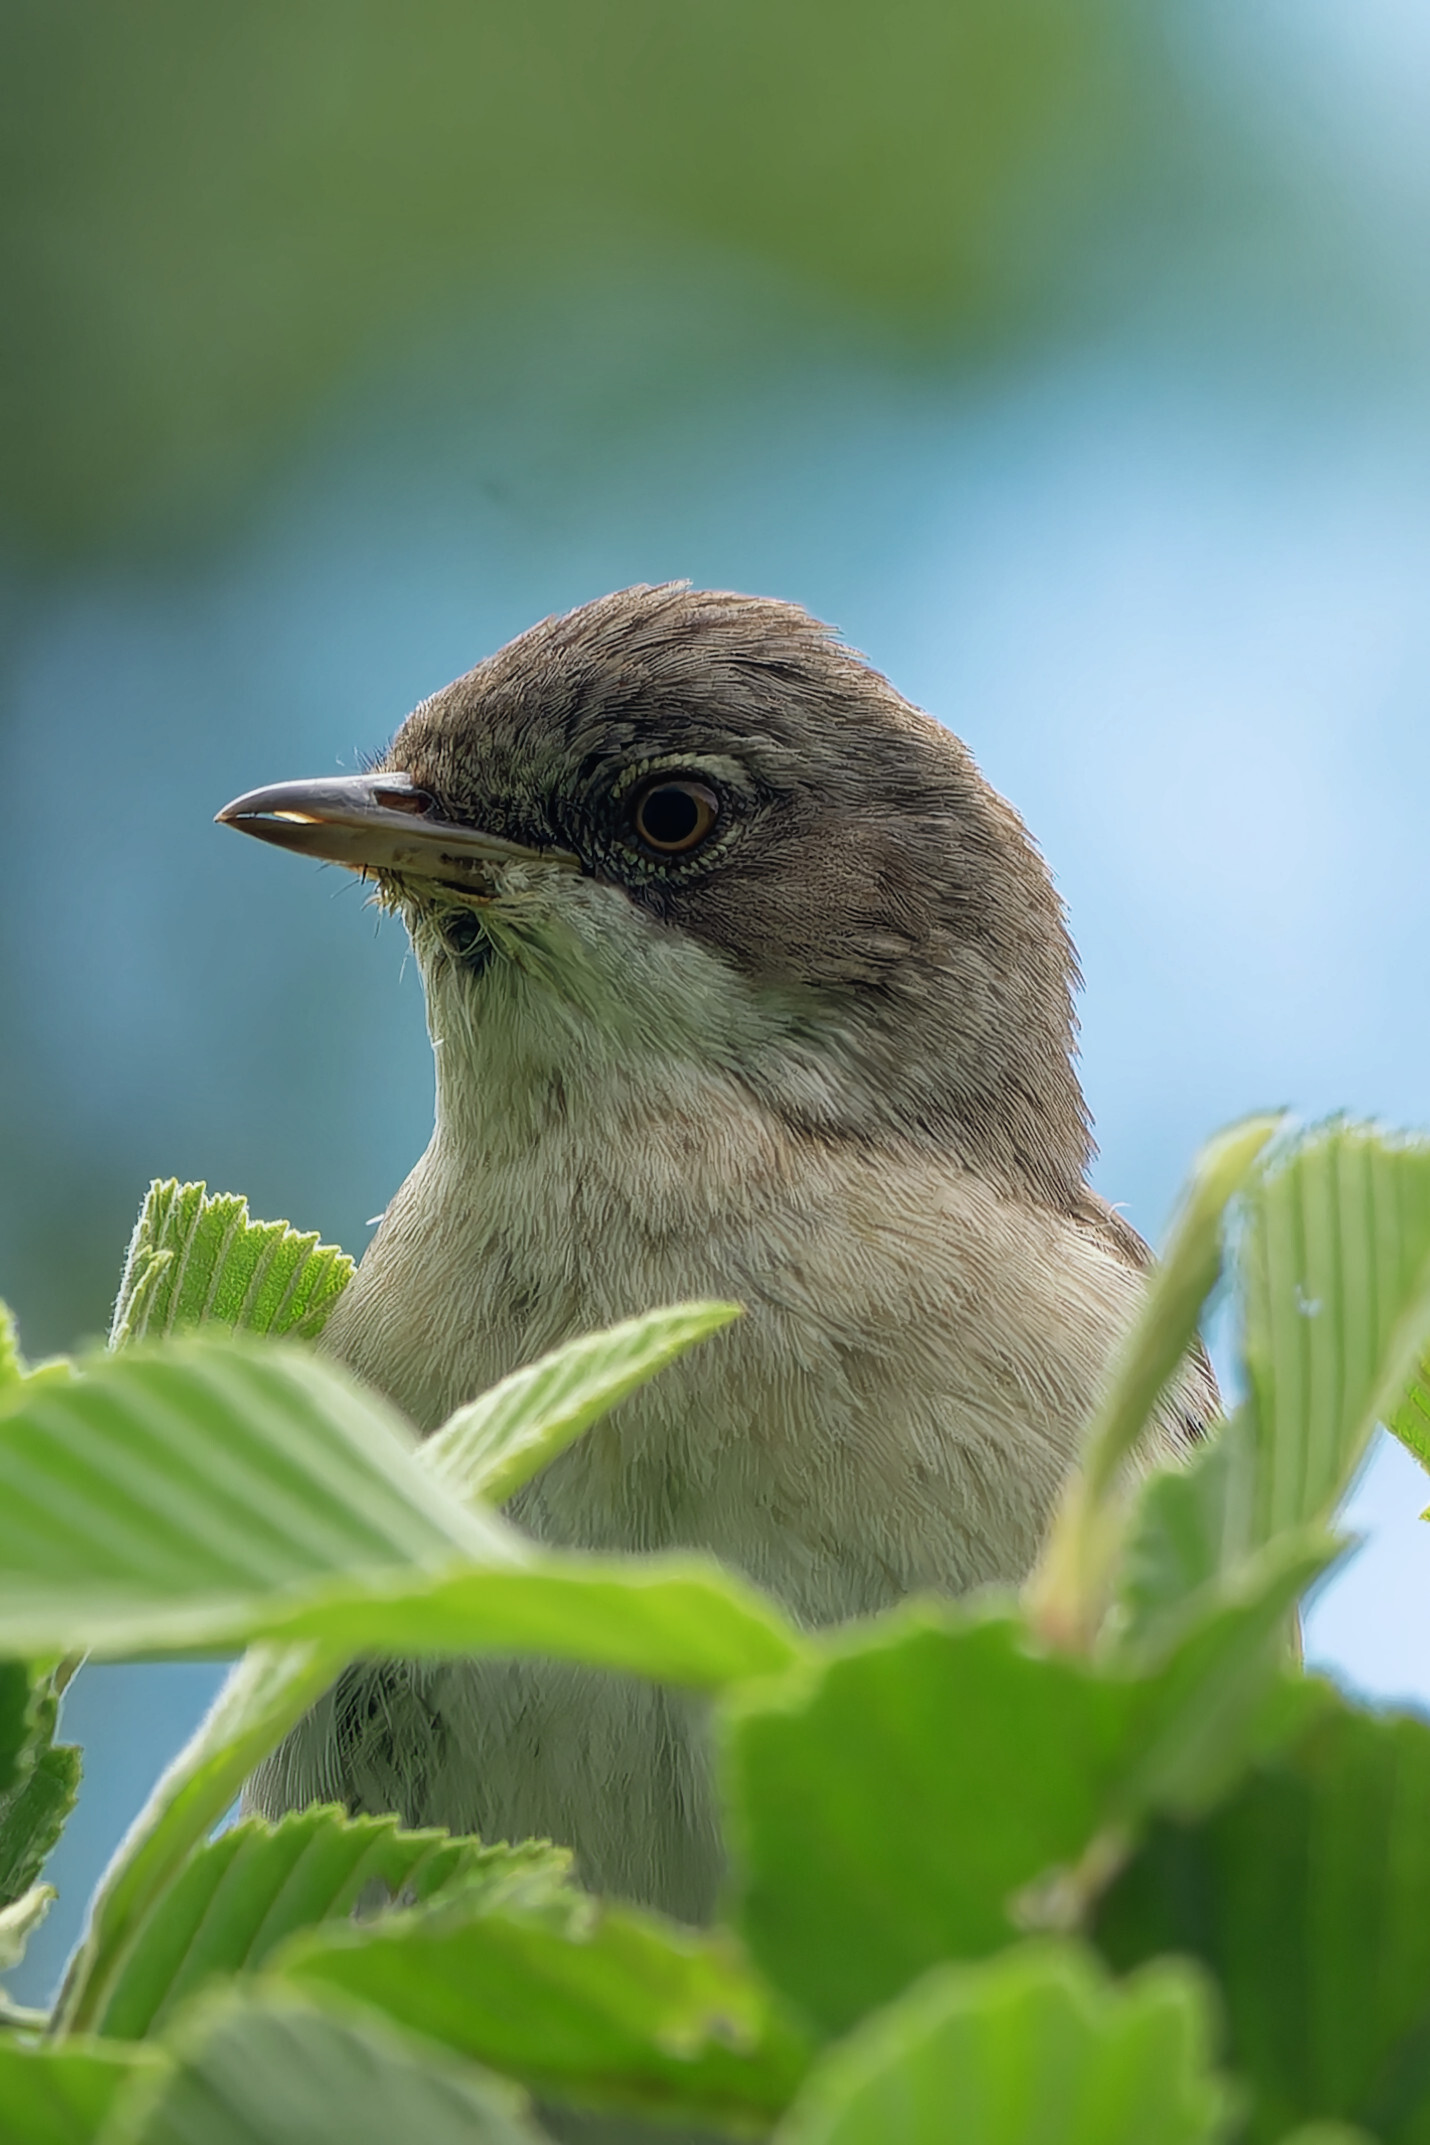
<point x="1307" y="1894"/>
<point x="925" y="1813"/>
<point x="161" y="1498"/>
<point x="1411" y="1420"/>
<point x="194" y="1260"/>
<point x="263" y="2070"/>
<point x="1035" y="2048"/>
<point x="1335" y="1262"/>
<point x="12" y="1365"/>
<point x="213" y="1494"/>
<point x="979" y="1739"/>
<point x="598" y="2003"/>
<point x="312" y="1479"/>
<point x="676" y="1619"/>
<point x="62" y="2094"/>
<point x="208" y="222"/>
<point x="240" y="1895"/>
<point x="1336" y="1305"/>
<point x="489" y="1448"/>
<point x="34" y="1810"/>
<point x="15" y="1721"/>
<point x="1068" y="1596"/>
<point x="982" y="1738"/>
<point x="39" y="1779"/>
<point x="268" y="1692"/>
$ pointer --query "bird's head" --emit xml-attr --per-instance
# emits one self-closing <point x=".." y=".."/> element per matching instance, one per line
<point x="680" y="827"/>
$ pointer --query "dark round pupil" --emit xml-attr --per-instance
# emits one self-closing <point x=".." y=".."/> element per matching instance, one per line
<point x="670" y="816"/>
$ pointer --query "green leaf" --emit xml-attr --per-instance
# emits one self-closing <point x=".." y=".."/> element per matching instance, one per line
<point x="1411" y="1420"/>
<point x="1068" y="1593"/>
<point x="928" y="1785"/>
<point x="1307" y="1893"/>
<point x="42" y="1778"/>
<point x="194" y="1258"/>
<point x="1181" y="1282"/>
<point x="598" y="2004"/>
<point x="1034" y="2048"/>
<point x="1336" y="1284"/>
<point x="1222" y="1692"/>
<point x="1185" y="1537"/>
<point x="496" y="1443"/>
<point x="211" y="1493"/>
<point x="267" y="1694"/>
<point x="241" y="1895"/>
<point x="675" y="1619"/>
<point x="12" y="1363"/>
<point x="166" y="1498"/>
<point x="17" y="1379"/>
<point x="16" y="1722"/>
<point x="260" y="2069"/>
<point x="1328" y="2134"/>
<point x="885" y="1805"/>
<point x="1335" y="1267"/>
<point x="33" y="1815"/>
<point x="53" y="2095"/>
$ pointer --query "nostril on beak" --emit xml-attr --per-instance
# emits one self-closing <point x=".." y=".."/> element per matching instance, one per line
<point x="403" y="798"/>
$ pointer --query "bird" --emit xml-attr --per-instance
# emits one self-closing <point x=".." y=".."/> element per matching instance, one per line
<point x="742" y="982"/>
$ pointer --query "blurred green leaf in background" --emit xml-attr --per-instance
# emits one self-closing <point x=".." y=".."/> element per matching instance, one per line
<point x="211" y="215"/>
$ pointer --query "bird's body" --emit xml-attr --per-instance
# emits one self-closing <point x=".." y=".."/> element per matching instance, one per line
<point x="816" y="1061"/>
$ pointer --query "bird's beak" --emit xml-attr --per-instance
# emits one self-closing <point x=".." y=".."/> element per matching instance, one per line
<point x="378" y="823"/>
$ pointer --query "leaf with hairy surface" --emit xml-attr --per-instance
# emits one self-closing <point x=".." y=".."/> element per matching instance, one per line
<point x="34" y="1814"/>
<point x="195" y="1258"/>
<point x="242" y="1894"/>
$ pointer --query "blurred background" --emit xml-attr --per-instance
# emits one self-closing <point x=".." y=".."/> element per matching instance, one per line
<point x="1074" y="359"/>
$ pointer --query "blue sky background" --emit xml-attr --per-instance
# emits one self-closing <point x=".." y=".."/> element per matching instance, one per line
<point x="1171" y="582"/>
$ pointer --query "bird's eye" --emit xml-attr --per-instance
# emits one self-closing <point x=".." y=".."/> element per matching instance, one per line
<point x="674" y="814"/>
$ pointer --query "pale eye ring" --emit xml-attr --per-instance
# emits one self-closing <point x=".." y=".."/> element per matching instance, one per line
<point x="674" y="814"/>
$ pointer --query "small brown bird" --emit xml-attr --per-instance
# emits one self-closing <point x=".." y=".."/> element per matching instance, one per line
<point x="742" y="982"/>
